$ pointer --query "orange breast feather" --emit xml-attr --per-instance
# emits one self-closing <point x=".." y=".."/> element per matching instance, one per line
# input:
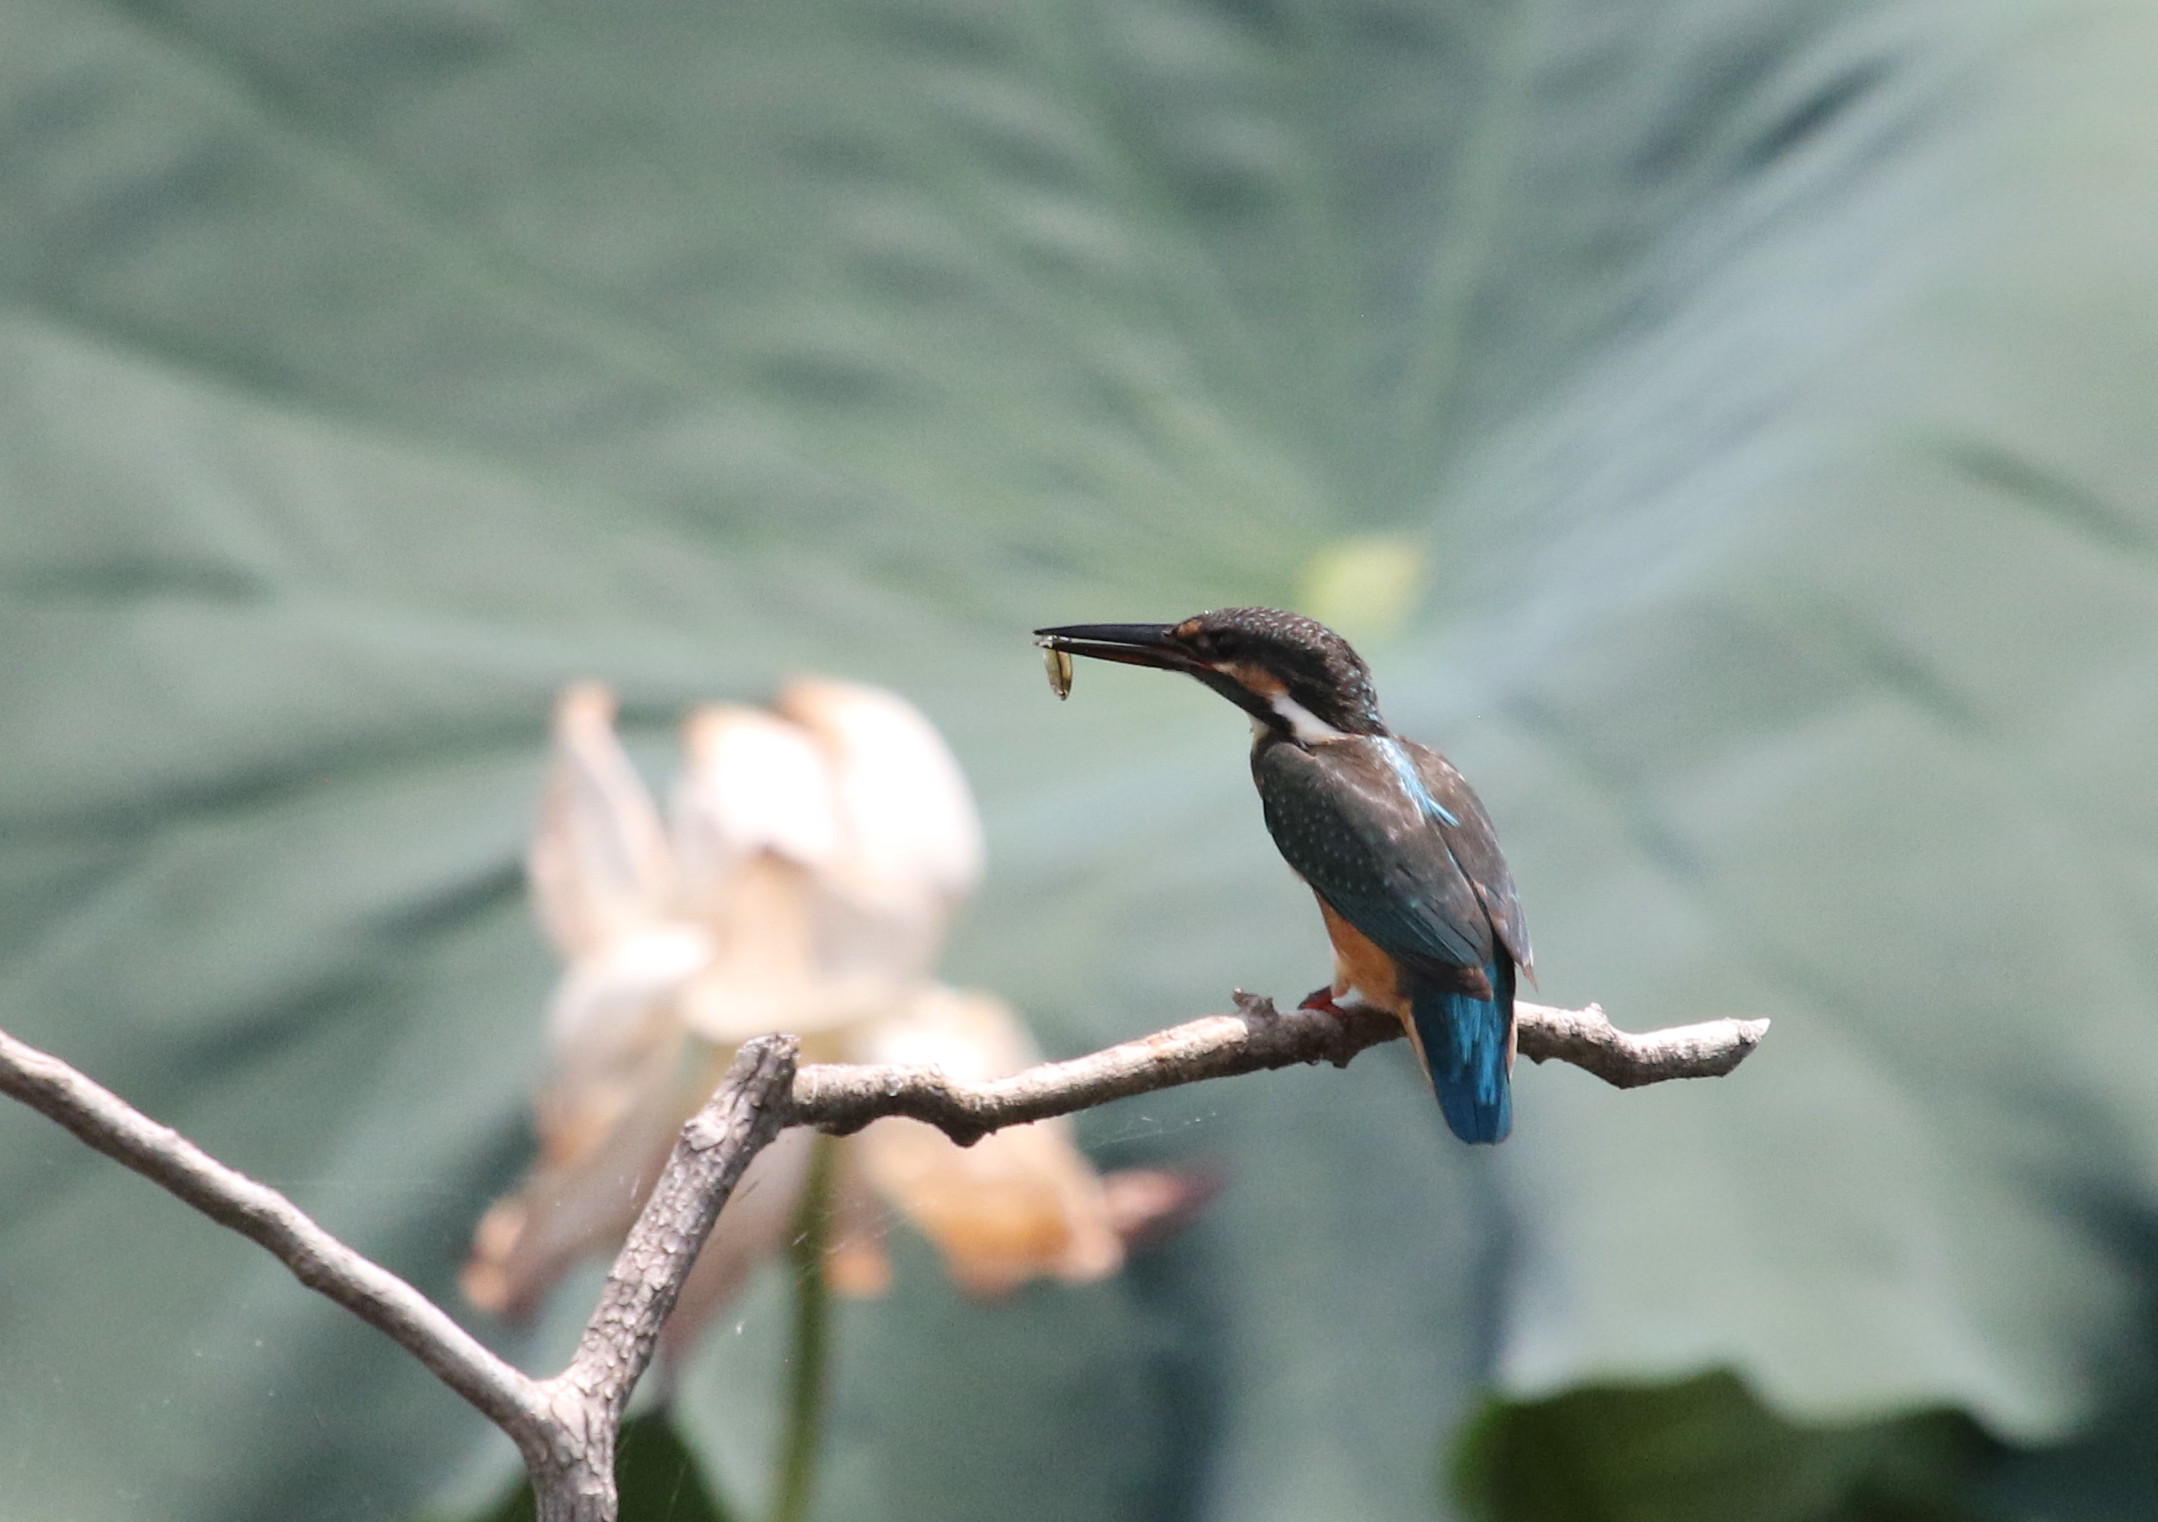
<point x="1361" y="966"/>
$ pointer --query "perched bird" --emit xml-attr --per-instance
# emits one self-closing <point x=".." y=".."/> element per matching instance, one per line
<point x="1400" y="854"/>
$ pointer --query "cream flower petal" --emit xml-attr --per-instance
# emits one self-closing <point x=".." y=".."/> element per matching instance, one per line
<point x="564" y="1211"/>
<point x="614" y="1029"/>
<point x="755" y="785"/>
<point x="599" y="864"/>
<point x="1019" y="1203"/>
<point x="912" y="844"/>
<point x="601" y="1148"/>
<point x="765" y="974"/>
<point x="625" y="1075"/>
<point x="823" y="858"/>
<point x="757" y="828"/>
<point x="909" y="815"/>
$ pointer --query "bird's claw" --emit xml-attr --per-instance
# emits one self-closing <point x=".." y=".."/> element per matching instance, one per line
<point x="1321" y="998"/>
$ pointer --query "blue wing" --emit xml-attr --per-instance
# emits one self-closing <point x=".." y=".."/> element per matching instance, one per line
<point x="1393" y="838"/>
<point x="1474" y="845"/>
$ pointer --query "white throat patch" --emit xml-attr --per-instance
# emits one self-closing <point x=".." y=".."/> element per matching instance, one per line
<point x="1303" y="723"/>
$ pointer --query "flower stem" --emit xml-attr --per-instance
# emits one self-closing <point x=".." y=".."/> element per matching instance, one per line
<point x="810" y="1365"/>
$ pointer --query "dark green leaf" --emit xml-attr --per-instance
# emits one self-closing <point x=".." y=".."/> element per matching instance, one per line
<point x="656" y="1480"/>
<point x="1706" y="1451"/>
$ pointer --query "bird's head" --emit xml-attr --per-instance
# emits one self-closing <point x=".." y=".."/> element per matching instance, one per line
<point x="1292" y="674"/>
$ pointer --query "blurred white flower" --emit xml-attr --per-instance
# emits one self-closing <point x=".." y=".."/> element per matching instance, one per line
<point x="805" y="878"/>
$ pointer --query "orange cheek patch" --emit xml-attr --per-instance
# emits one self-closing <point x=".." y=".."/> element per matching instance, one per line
<point x="1256" y="679"/>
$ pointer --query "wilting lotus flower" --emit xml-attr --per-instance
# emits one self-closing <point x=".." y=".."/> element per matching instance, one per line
<point x="803" y="882"/>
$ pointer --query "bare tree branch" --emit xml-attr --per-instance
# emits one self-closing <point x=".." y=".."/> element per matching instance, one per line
<point x="317" y="1259"/>
<point x="1587" y="1039"/>
<point x="566" y="1426"/>
<point x="842" y="1099"/>
<point x="737" y="1123"/>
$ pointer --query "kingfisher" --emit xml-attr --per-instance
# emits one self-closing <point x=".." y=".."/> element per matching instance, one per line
<point x="1418" y="903"/>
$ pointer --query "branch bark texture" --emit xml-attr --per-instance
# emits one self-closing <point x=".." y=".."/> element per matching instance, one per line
<point x="709" y="1157"/>
<point x="318" y="1260"/>
<point x="844" y="1098"/>
<point x="566" y="1426"/>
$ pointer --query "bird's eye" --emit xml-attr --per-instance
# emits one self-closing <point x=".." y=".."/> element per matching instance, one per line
<point x="1224" y="643"/>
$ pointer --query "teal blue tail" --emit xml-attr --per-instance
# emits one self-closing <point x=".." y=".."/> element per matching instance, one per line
<point x="1464" y="1040"/>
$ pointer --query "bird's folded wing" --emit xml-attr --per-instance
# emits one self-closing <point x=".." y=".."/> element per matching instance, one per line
<point x="1344" y="818"/>
<point x="1474" y="845"/>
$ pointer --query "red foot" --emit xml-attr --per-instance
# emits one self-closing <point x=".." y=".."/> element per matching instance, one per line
<point x="1321" y="998"/>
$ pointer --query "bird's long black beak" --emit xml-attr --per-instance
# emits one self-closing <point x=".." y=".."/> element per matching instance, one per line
<point x="1132" y="644"/>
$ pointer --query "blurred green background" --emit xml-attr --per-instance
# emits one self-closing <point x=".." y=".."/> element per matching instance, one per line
<point x="1730" y="427"/>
